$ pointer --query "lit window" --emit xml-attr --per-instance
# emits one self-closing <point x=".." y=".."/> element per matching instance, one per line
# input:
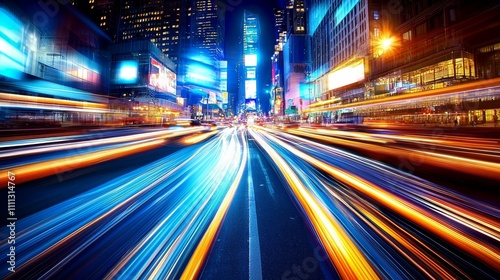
<point x="407" y="36"/>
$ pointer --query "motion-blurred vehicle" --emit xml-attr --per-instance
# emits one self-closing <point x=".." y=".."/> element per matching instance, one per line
<point x="288" y="125"/>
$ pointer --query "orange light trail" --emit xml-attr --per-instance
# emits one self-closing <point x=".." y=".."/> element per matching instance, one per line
<point x="469" y="244"/>
<point x="197" y="260"/>
<point x="477" y="167"/>
<point x="347" y="258"/>
<point x="198" y="138"/>
<point x="42" y="169"/>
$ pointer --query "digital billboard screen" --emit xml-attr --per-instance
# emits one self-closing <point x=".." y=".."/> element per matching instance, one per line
<point x="250" y="89"/>
<point x="251" y="105"/>
<point x="126" y="72"/>
<point x="162" y="78"/>
<point x="251" y="73"/>
<point x="250" y="60"/>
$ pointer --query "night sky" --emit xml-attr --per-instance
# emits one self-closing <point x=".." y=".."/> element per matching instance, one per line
<point x="234" y="13"/>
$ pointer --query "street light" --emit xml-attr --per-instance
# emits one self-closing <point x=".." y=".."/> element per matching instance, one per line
<point x="386" y="43"/>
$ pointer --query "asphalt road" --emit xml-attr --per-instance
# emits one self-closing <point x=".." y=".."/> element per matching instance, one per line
<point x="253" y="204"/>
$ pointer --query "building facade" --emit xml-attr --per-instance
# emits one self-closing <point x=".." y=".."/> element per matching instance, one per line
<point x="53" y="67"/>
<point x="290" y="92"/>
<point x="143" y="83"/>
<point x="251" y="33"/>
<point x="366" y="52"/>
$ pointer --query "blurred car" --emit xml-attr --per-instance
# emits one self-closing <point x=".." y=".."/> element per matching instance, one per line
<point x="288" y="125"/>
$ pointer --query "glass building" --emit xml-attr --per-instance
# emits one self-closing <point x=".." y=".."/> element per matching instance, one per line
<point x="367" y="52"/>
<point x="251" y="32"/>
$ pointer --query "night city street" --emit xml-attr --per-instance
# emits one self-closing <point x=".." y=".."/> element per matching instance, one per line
<point x="249" y="139"/>
<point x="273" y="204"/>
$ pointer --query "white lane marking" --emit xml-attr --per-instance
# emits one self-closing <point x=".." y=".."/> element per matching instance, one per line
<point x="255" y="265"/>
<point x="266" y="178"/>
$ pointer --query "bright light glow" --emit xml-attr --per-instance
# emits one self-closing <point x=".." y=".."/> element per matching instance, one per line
<point x="200" y="74"/>
<point x="250" y="60"/>
<point x="347" y="75"/>
<point x="251" y="89"/>
<point x="127" y="72"/>
<point x="11" y="57"/>
<point x="251" y="104"/>
<point x="10" y="26"/>
<point x="386" y="43"/>
<point x="318" y="11"/>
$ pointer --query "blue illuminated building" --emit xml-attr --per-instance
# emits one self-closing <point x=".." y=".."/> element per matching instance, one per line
<point x="248" y="101"/>
<point x="290" y="92"/>
<point x="143" y="81"/>
<point x="53" y="52"/>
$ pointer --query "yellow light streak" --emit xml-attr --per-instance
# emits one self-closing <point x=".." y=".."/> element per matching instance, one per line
<point x="198" y="138"/>
<point x="412" y="96"/>
<point x="471" y="166"/>
<point x="197" y="260"/>
<point x="347" y="258"/>
<point x="469" y="244"/>
<point x="52" y="101"/>
<point x="42" y="169"/>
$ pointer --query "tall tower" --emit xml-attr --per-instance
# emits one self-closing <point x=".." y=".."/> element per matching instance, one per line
<point x="251" y="32"/>
<point x="158" y="21"/>
<point x="166" y="23"/>
<point x="200" y="65"/>
<point x="279" y="23"/>
<point x="208" y="29"/>
<point x="105" y="13"/>
<point x="298" y="19"/>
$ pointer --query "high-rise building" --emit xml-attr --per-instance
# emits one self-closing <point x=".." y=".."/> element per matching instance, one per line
<point x="298" y="17"/>
<point x="251" y="32"/>
<point x="290" y="62"/>
<point x="372" y="51"/>
<point x="189" y="32"/>
<point x="165" y="23"/>
<point x="208" y="28"/>
<point x="159" y="21"/>
<point x="105" y="13"/>
<point x="279" y="24"/>
<point x="200" y="60"/>
<point x="341" y="33"/>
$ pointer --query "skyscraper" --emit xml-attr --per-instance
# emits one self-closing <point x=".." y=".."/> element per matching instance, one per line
<point x="199" y="67"/>
<point x="189" y="32"/>
<point x="208" y="28"/>
<point x="251" y="32"/>
<point x="165" y="23"/>
<point x="105" y="13"/>
<point x="159" y="21"/>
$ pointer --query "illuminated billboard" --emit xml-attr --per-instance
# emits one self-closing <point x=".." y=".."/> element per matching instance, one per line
<point x="225" y="97"/>
<point x="126" y="72"/>
<point x="250" y="89"/>
<point x="251" y="73"/>
<point x="201" y="74"/>
<point x="11" y="57"/>
<point x="161" y="78"/>
<point x="347" y="75"/>
<point x="250" y="60"/>
<point x="251" y="105"/>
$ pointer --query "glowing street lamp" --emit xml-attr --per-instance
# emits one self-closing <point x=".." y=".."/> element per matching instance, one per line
<point x="383" y="45"/>
<point x="387" y="43"/>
